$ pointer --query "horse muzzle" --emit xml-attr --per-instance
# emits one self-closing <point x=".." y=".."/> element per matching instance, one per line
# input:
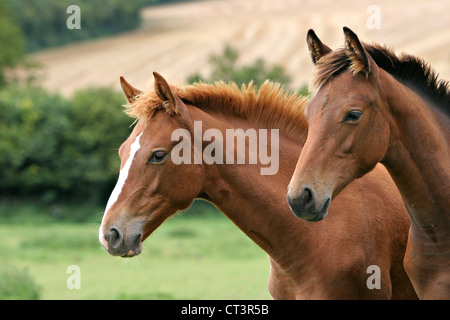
<point x="306" y="205"/>
<point x="117" y="244"/>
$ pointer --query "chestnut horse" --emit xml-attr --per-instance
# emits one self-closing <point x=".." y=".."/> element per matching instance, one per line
<point x="373" y="106"/>
<point x="336" y="259"/>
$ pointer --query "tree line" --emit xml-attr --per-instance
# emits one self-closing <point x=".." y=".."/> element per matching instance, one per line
<point x="43" y="22"/>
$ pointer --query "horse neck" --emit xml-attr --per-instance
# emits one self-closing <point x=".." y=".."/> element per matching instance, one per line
<point x="418" y="155"/>
<point x="255" y="203"/>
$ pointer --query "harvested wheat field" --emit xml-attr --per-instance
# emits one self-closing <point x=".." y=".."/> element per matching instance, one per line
<point x="176" y="40"/>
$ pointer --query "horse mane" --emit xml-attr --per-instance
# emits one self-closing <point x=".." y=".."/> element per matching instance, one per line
<point x="407" y="69"/>
<point x="270" y="105"/>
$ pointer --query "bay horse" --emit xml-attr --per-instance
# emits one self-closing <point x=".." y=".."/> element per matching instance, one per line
<point x="329" y="260"/>
<point x="371" y="107"/>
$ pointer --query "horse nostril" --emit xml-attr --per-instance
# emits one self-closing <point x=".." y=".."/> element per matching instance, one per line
<point x="136" y="241"/>
<point x="114" y="238"/>
<point x="307" y="197"/>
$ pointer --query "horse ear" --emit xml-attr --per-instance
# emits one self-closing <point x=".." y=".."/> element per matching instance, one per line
<point x="316" y="48"/>
<point x="130" y="92"/>
<point x="162" y="89"/>
<point x="360" y="60"/>
<point x="165" y="93"/>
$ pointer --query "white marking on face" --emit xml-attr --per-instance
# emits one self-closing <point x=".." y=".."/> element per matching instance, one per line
<point x="123" y="175"/>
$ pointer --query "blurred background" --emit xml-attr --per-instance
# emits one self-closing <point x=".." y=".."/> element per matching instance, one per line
<point x="61" y="124"/>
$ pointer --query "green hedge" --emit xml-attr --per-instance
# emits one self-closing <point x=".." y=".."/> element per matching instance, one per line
<point x="43" y="22"/>
<point x="17" y="284"/>
<point x="52" y="147"/>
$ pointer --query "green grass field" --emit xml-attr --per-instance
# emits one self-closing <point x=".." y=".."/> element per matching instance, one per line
<point x="189" y="257"/>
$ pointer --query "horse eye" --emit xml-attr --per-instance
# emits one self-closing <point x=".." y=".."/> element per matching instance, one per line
<point x="158" y="156"/>
<point x="353" y="115"/>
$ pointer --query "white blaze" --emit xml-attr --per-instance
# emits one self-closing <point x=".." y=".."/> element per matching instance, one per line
<point x="123" y="175"/>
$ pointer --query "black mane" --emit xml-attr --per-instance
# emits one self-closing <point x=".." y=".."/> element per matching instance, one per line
<point x="416" y="72"/>
<point x="407" y="69"/>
